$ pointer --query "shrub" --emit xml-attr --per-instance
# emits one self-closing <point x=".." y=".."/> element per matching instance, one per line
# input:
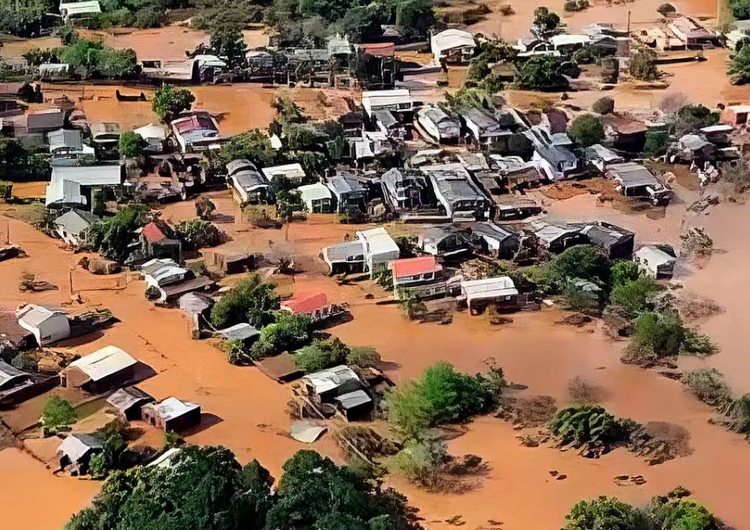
<point x="666" y="10"/>
<point x="581" y="391"/>
<point x="659" y="333"/>
<point x="605" y="105"/>
<point x="737" y="174"/>
<point x="288" y="333"/>
<point x="542" y="73"/>
<point x="623" y="272"/>
<point x="150" y="17"/>
<point x="634" y="296"/>
<point x="691" y="118"/>
<point x="587" y="130"/>
<point x="643" y="65"/>
<point x="602" y="513"/>
<point x="196" y="234"/>
<point x="57" y="415"/>
<point x="419" y="461"/>
<point x="739" y="415"/>
<point x="577" y="299"/>
<point x="583" y="261"/>
<point x="740" y="9"/>
<point x="131" y="144"/>
<point x="656" y="142"/>
<point x="546" y="23"/>
<point x="322" y="354"/>
<point x="250" y="300"/>
<point x="237" y="353"/>
<point x="589" y="425"/>
<point x="708" y="385"/>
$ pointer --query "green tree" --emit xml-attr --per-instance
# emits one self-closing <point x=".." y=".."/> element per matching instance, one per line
<point x="288" y="333"/>
<point x="589" y="424"/>
<point x="692" y="118"/>
<point x="113" y="236"/>
<point x="196" y="234"/>
<point x="542" y="73"/>
<point x="57" y="415"/>
<point x="415" y="17"/>
<point x="169" y="102"/>
<point x="322" y="354"/>
<point x="585" y="262"/>
<point x="117" y="64"/>
<point x="661" y="334"/>
<point x="546" y="23"/>
<point x="254" y="145"/>
<point x="740" y="9"/>
<point x="288" y="202"/>
<point x="250" y="300"/>
<point x="623" y="272"/>
<point x="634" y="296"/>
<point x="708" y="385"/>
<point x="362" y="22"/>
<point x="227" y="42"/>
<point x="642" y="65"/>
<point x="132" y="145"/>
<point x="604" y="513"/>
<point x="100" y="207"/>
<point x="586" y="130"/>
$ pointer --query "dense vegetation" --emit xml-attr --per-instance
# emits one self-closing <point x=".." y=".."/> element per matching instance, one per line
<point x="206" y="488"/>
<point x="169" y="101"/>
<point x="586" y="130"/>
<point x="57" y="415"/>
<point x="250" y="300"/>
<point x="590" y="425"/>
<point x="113" y="236"/>
<point x="19" y="163"/>
<point x="196" y="234"/>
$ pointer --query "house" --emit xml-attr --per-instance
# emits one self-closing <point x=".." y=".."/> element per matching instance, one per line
<point x="444" y="242"/>
<point x="39" y="122"/>
<point x="156" y="241"/>
<point x="169" y="294"/>
<point x="634" y="180"/>
<point x="315" y="306"/>
<point x="16" y="386"/>
<point x="64" y="142"/>
<point x="379" y="248"/>
<point x="624" y="133"/>
<point x="242" y="332"/>
<point x="196" y="132"/>
<point x="458" y="195"/>
<point x="405" y="190"/>
<point x="128" y="402"/>
<point x="500" y="292"/>
<point x="338" y="45"/>
<point x="600" y="157"/>
<point x="484" y="127"/>
<point x="355" y="405"/>
<point x="557" y="237"/>
<point x="77" y="449"/>
<point x="197" y="308"/>
<point x="388" y="123"/>
<point x="453" y="46"/>
<point x="556" y="161"/>
<point x="317" y="198"/>
<point x="348" y="192"/>
<point x="655" y="262"/>
<point x="250" y="185"/>
<point x="172" y="414"/>
<point x="616" y="242"/>
<point x="10" y="376"/>
<point x="154" y="135"/>
<point x="73" y="184"/>
<point x="107" y="368"/>
<point x="566" y="43"/>
<point x="494" y="240"/>
<point x="227" y="262"/>
<point x="693" y="34"/>
<point x="509" y="172"/>
<point x="325" y="385"/>
<point x="695" y="148"/>
<point x="74" y="10"/>
<point x="353" y="123"/>
<point x="437" y="125"/>
<point x="734" y="115"/>
<point x="397" y="100"/>
<point x="153" y="265"/>
<point x="71" y="226"/>
<point x="419" y="277"/>
<point x="47" y="325"/>
<point x="345" y="258"/>
<point x="167" y="275"/>
<point x="106" y="134"/>
<point x="291" y="172"/>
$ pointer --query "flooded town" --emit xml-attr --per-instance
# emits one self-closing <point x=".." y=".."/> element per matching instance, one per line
<point x="405" y="265"/>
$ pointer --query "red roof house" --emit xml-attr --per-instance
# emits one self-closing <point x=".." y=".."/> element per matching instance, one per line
<point x="421" y="268"/>
<point x="153" y="233"/>
<point x="305" y="303"/>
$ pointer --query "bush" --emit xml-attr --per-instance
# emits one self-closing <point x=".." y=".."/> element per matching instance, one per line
<point x="634" y="296"/>
<point x="587" y="302"/>
<point x="585" y="262"/>
<point x="575" y="5"/>
<point x="542" y="73"/>
<point x="322" y="354"/>
<point x="363" y="356"/>
<point x="656" y="142"/>
<point x="587" y="130"/>
<point x="250" y="300"/>
<point x="738" y="416"/>
<point x="196" y="234"/>
<point x="589" y="425"/>
<point x="237" y="353"/>
<point x="643" y="65"/>
<point x="666" y="10"/>
<point x="57" y="415"/>
<point x="112" y="237"/>
<point x="708" y="385"/>
<point x="419" y="461"/>
<point x="168" y="102"/>
<point x="441" y="395"/>
<point x="131" y="145"/>
<point x="288" y="333"/>
<point x="659" y="333"/>
<point x="605" y="105"/>
<point x="546" y="23"/>
<point x="691" y="118"/>
<point x="150" y="17"/>
<point x="602" y="513"/>
<point x="740" y="9"/>
<point x="623" y="272"/>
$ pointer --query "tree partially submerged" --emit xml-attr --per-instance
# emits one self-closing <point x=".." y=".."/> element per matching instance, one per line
<point x="642" y="65"/>
<point x="542" y="73"/>
<point x="169" y="101"/>
<point x="58" y="415"/>
<point x="587" y="130"/>
<point x="250" y="300"/>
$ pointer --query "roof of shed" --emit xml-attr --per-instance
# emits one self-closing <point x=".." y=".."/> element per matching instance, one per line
<point x="104" y="362"/>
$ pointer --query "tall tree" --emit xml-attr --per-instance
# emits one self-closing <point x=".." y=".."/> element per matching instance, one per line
<point x="169" y="102"/>
<point x="227" y="42"/>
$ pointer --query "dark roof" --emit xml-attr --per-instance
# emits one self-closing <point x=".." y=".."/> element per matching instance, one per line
<point x="196" y="284"/>
<point x="492" y="230"/>
<point x="125" y="398"/>
<point x="45" y="120"/>
<point x="606" y="235"/>
<point x="281" y="368"/>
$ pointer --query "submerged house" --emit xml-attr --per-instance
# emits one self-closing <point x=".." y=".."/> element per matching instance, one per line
<point x="398" y="101"/>
<point x="47" y="325"/>
<point x="635" y="180"/>
<point x="405" y="190"/>
<point x="453" y="46"/>
<point x="655" y="262"/>
<point x="458" y="195"/>
<point x="172" y="414"/>
<point x="128" y="402"/>
<point x="71" y="226"/>
<point x="73" y="185"/>
<point x="17" y="386"/>
<point x="484" y="127"/>
<point x="107" y="368"/>
<point x="418" y="277"/>
<point x="315" y="306"/>
<point x="444" y="242"/>
<point x="291" y="172"/>
<point x="370" y="249"/>
<point x="557" y="237"/>
<point x="500" y="292"/>
<point x="250" y="186"/>
<point x="77" y="449"/>
<point x="316" y="197"/>
<point x="348" y="192"/>
<point x="156" y="241"/>
<point x="616" y="242"/>
<point x="494" y="240"/>
<point x="379" y="246"/>
<point x="601" y="158"/>
<point x="437" y="125"/>
<point x="196" y="132"/>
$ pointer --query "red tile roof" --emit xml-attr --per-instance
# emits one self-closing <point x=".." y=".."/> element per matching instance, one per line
<point x="412" y="266"/>
<point x="304" y="303"/>
<point x="153" y="233"/>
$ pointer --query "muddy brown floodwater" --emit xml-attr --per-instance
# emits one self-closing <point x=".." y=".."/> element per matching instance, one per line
<point x="245" y="411"/>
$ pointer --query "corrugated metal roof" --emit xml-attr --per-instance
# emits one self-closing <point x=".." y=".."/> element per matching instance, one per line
<point x="654" y="256"/>
<point x="450" y="39"/>
<point x="103" y="363"/>
<point x="76" y="221"/>
<point x="10" y="375"/>
<point x="489" y="288"/>
<point x="314" y="192"/>
<point x="241" y="331"/>
<point x="172" y="408"/>
<point x="378" y="241"/>
<point x="125" y="398"/>
<point x="76" y="446"/>
<point x="412" y="266"/>
<point x="35" y="315"/>
<point x="302" y="303"/>
<point x="331" y="379"/>
<point x="354" y="399"/>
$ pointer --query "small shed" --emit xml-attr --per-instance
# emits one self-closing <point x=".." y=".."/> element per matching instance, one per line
<point x="102" y="370"/>
<point x="317" y="197"/>
<point x="46" y="324"/>
<point x="500" y="291"/>
<point x="77" y="449"/>
<point x="242" y="332"/>
<point x="326" y="385"/>
<point x="355" y="405"/>
<point x="128" y="401"/>
<point x="616" y="242"/>
<point x="347" y="257"/>
<point x="557" y="237"/>
<point x="172" y="414"/>
<point x="453" y="46"/>
<point x="655" y="262"/>
<point x="380" y="248"/>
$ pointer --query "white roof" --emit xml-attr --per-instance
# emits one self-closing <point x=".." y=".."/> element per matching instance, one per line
<point x="654" y="256"/>
<point x="739" y="108"/>
<point x="291" y="171"/>
<point x="63" y="191"/>
<point x="153" y="265"/>
<point x="378" y="241"/>
<point x="105" y="362"/>
<point x="451" y="38"/>
<point x="75" y="446"/>
<point x="313" y="192"/>
<point x="105" y="175"/>
<point x="35" y="315"/>
<point x="209" y="60"/>
<point x="167" y="271"/>
<point x="568" y="40"/>
<point x="80" y="8"/>
<point x="327" y="380"/>
<point x="172" y="408"/>
<point x="378" y="98"/>
<point x="164" y="460"/>
<point x="146" y="132"/>
<point x="717" y="129"/>
<point x="489" y="288"/>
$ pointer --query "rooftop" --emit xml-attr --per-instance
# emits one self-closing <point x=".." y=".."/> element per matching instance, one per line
<point x="630" y="174"/>
<point x="403" y="268"/>
<point x="35" y="315"/>
<point x="124" y="398"/>
<point x="354" y="399"/>
<point x="241" y="331"/>
<point x="654" y="255"/>
<point x="10" y="375"/>
<point x="103" y="363"/>
<point x="172" y="408"/>
<point x="331" y="379"/>
<point x="489" y="288"/>
<point x="377" y="241"/>
<point x="302" y="303"/>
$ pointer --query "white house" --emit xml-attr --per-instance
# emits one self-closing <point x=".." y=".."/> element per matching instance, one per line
<point x="379" y="246"/>
<point x="154" y="135"/>
<point x="501" y="291"/>
<point x="655" y="262"/>
<point x="47" y="325"/>
<point x="453" y="46"/>
<point x="79" y="9"/>
<point x="317" y="197"/>
<point x="292" y="172"/>
<point x="67" y="182"/>
<point x="71" y="226"/>
<point x="396" y="100"/>
<point x="167" y="275"/>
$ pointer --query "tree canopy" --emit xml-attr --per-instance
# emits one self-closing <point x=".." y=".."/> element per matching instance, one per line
<point x="250" y="300"/>
<point x="131" y="145"/>
<point x="587" y="130"/>
<point x="583" y="261"/>
<point x="546" y="23"/>
<point x="642" y="65"/>
<point x="227" y="43"/>
<point x="169" y="102"/>
<point x="542" y="73"/>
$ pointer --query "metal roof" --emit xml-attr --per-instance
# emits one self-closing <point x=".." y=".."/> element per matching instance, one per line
<point x="125" y="398"/>
<point x="304" y="303"/>
<point x="413" y="266"/>
<point x="65" y="139"/>
<point x="352" y="400"/>
<point x="10" y="375"/>
<point x="377" y="241"/>
<point x="102" y="175"/>
<point x="154" y="265"/>
<point x="78" y="445"/>
<point x="76" y="221"/>
<point x="606" y="234"/>
<point x="80" y="8"/>
<point x="331" y="379"/>
<point x="450" y="39"/>
<point x="453" y="182"/>
<point x="35" y="315"/>
<point x="195" y="302"/>
<point x="371" y="100"/>
<point x="654" y="255"/>
<point x="237" y="165"/>
<point x="103" y="363"/>
<point x="550" y="232"/>
<point x="630" y="174"/>
<point x="599" y="151"/>
<point x="241" y="331"/>
<point x="314" y="192"/>
<point x="483" y="119"/>
<point x="340" y="185"/>
<point x="492" y="231"/>
<point x="348" y="251"/>
<point x="172" y="408"/>
<point x="290" y="171"/>
<point x="250" y="180"/>
<point x="488" y="288"/>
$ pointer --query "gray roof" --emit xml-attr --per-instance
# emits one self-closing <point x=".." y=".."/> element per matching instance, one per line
<point x="65" y="138"/>
<point x="354" y="399"/>
<point x="10" y="375"/>
<point x="344" y="251"/>
<point x="436" y="115"/>
<point x="241" y="163"/>
<point x="453" y="182"/>
<point x="333" y="378"/>
<point x="386" y="117"/>
<point x="35" y="315"/>
<point x="484" y="119"/>
<point x="250" y="179"/>
<point x="606" y="234"/>
<point x="76" y="221"/>
<point x="555" y="154"/>
<point x="125" y="398"/>
<point x="631" y="175"/>
<point x="493" y="231"/>
<point x="242" y="331"/>
<point x="78" y="445"/>
<point x="172" y="408"/>
<point x="548" y="232"/>
<point x="195" y="302"/>
<point x="45" y="120"/>
<point x="341" y="184"/>
<point x="435" y="234"/>
<point x="599" y="151"/>
<point x="310" y="55"/>
<point x="104" y="362"/>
